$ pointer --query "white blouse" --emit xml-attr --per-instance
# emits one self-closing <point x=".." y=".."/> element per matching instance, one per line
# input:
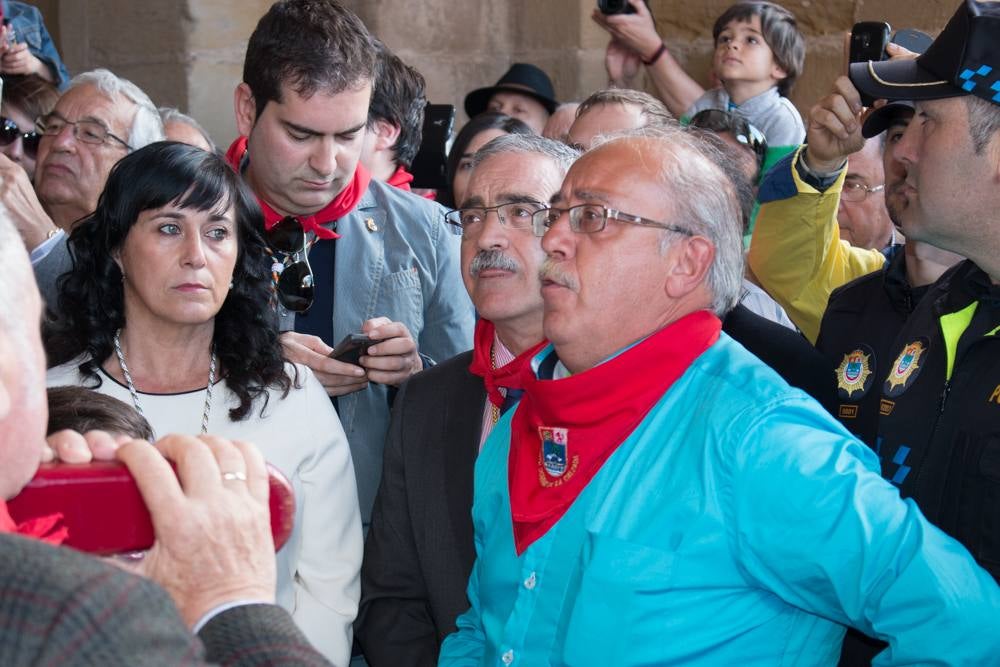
<point x="301" y="435"/>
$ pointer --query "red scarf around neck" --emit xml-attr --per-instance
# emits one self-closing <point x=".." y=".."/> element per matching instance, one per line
<point x="44" y="528"/>
<point x="341" y="205"/>
<point x="401" y="178"/>
<point x="508" y="376"/>
<point x="585" y="417"/>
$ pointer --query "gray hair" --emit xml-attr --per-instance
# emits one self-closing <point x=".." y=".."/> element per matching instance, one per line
<point x="146" y="125"/>
<point x="703" y="199"/>
<point x="984" y="121"/>
<point x="651" y="110"/>
<point x="560" y="153"/>
<point x="174" y="115"/>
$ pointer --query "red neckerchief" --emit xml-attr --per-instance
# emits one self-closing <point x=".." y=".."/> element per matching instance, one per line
<point x="400" y="178"/>
<point x="586" y="417"/>
<point x="341" y="205"/>
<point x="508" y="376"/>
<point x="42" y="528"/>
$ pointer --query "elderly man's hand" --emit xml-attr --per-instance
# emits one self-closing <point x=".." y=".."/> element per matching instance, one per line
<point x="213" y="536"/>
<point x="834" y="129"/>
<point x="22" y="206"/>
<point x="337" y="377"/>
<point x="72" y="447"/>
<point x="633" y="31"/>
<point x="393" y="358"/>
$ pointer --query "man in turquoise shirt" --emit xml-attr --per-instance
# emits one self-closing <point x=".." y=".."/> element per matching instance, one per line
<point x="659" y="496"/>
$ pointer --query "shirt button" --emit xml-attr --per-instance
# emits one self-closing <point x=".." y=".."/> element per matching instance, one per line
<point x="507" y="657"/>
<point x="529" y="583"/>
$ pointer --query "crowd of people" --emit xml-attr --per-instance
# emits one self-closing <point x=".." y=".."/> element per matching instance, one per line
<point x="669" y="378"/>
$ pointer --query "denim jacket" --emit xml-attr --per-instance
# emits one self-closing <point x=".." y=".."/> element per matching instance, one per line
<point x="395" y="258"/>
<point x="29" y="28"/>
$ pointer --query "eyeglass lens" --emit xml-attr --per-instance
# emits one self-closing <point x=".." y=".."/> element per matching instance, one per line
<point x="9" y="132"/>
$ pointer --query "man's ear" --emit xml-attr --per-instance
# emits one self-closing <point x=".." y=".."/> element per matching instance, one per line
<point x="386" y="134"/>
<point x="689" y="259"/>
<point x="246" y="109"/>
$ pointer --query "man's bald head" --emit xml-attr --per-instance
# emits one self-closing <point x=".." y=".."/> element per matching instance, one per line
<point x="23" y="412"/>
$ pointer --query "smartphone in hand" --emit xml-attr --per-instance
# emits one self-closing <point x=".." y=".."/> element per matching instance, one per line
<point x="351" y="347"/>
<point x="868" y="42"/>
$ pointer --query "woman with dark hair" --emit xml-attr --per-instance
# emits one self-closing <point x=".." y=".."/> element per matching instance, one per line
<point x="167" y="308"/>
<point x="477" y="133"/>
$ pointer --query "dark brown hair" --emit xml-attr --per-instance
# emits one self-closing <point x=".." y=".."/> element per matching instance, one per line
<point x="780" y="31"/>
<point x="310" y="45"/>
<point x="82" y="410"/>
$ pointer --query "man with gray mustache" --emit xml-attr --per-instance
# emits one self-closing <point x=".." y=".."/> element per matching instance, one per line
<point x="420" y="549"/>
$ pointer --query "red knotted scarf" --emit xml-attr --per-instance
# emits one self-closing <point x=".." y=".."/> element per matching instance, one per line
<point x="44" y="528"/>
<point x="592" y="413"/>
<point x="341" y="205"/>
<point x="508" y="376"/>
<point x="401" y="178"/>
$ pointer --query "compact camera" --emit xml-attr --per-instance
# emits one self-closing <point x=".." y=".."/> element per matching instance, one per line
<point x="615" y="7"/>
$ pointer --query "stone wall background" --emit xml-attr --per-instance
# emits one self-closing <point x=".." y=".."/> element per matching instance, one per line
<point x="189" y="53"/>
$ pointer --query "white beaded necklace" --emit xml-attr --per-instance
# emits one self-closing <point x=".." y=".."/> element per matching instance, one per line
<point x="135" y="395"/>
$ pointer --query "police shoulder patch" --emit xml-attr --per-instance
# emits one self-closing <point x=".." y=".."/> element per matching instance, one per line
<point x="855" y="374"/>
<point x="904" y="370"/>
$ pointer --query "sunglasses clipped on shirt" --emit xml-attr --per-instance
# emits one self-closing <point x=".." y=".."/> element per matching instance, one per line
<point x="9" y="132"/>
<point x="293" y="276"/>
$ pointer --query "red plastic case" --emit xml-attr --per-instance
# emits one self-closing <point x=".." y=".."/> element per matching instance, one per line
<point x="104" y="511"/>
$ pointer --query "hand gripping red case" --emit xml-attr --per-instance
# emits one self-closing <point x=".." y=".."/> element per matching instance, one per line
<point x="104" y="511"/>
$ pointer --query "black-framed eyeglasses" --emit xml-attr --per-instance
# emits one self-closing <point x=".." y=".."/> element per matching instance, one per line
<point x="86" y="130"/>
<point x="858" y="191"/>
<point x="292" y="276"/>
<point x="515" y="215"/>
<point x="742" y="130"/>
<point x="9" y="132"/>
<point x="592" y="218"/>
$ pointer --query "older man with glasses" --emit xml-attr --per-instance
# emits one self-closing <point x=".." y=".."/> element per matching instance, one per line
<point x="420" y="549"/>
<point x="659" y="496"/>
<point x="97" y="121"/>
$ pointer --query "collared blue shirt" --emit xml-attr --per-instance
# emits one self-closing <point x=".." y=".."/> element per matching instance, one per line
<point x="739" y="524"/>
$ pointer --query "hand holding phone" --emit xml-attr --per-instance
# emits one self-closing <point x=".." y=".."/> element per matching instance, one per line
<point x="351" y="347"/>
<point x="868" y="42"/>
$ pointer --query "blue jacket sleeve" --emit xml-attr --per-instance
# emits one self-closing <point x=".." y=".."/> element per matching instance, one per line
<point x="30" y="28"/>
<point x="449" y="317"/>
<point x="882" y="567"/>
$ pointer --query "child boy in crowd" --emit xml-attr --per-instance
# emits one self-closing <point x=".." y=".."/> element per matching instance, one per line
<point x="759" y="53"/>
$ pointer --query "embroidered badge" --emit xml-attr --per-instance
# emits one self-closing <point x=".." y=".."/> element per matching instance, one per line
<point x="554" y="459"/>
<point x="553" y="450"/>
<point x="906" y="368"/>
<point x="854" y="374"/>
